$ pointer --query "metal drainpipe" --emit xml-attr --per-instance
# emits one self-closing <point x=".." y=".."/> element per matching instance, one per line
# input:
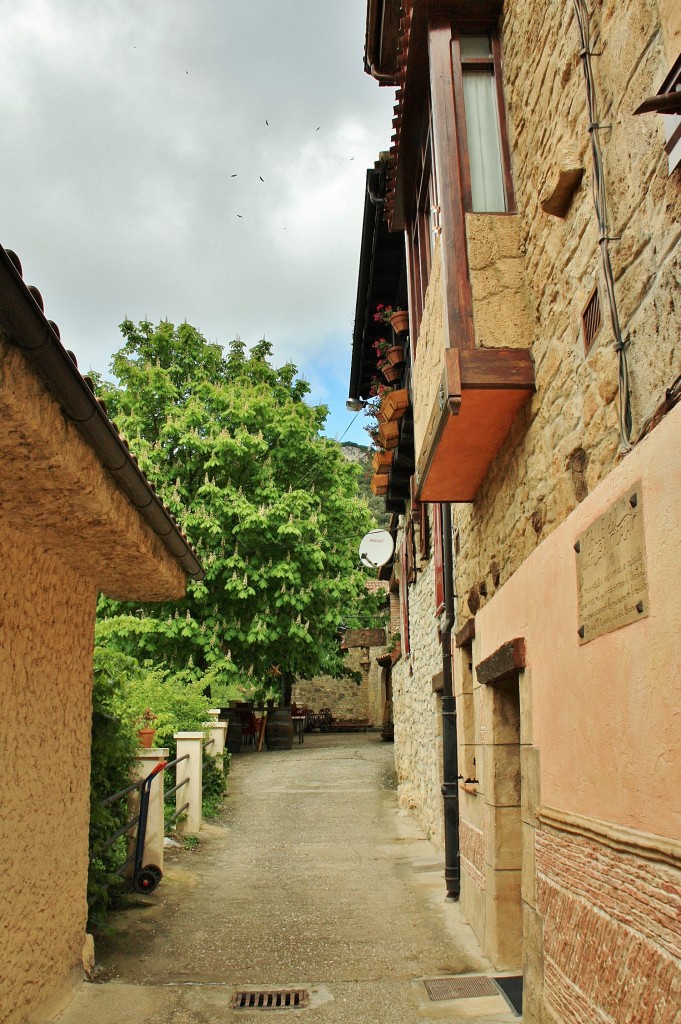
<point x="450" y="755"/>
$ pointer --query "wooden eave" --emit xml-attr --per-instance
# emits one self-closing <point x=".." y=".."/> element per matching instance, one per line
<point x="382" y="268"/>
<point x="667" y="99"/>
<point x="480" y="394"/>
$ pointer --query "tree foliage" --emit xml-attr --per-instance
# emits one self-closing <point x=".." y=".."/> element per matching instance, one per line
<point x="271" y="506"/>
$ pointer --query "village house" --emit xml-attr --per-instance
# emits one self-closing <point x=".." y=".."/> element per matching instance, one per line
<point x="77" y="517"/>
<point x="527" y="215"/>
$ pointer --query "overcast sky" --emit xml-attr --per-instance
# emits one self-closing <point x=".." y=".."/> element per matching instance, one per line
<point x="123" y="125"/>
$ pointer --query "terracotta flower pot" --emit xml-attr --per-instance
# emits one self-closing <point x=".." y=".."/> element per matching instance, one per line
<point x="395" y="404"/>
<point x="399" y="321"/>
<point x="382" y="461"/>
<point x="395" y="355"/>
<point x="389" y="435"/>
<point x="146" y="737"/>
<point x="379" y="483"/>
<point x="390" y="373"/>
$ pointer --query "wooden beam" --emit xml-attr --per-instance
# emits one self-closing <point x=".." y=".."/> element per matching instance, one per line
<point x="504" y="664"/>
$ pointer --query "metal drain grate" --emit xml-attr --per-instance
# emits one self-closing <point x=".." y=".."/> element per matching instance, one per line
<point x="279" y="999"/>
<point x="460" y="988"/>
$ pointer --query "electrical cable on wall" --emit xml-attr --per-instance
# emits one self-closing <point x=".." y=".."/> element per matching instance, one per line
<point x="600" y="203"/>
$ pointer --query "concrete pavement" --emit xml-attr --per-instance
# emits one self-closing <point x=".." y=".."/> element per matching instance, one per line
<point x="311" y="878"/>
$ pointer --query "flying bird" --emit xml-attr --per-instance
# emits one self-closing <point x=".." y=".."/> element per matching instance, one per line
<point x="261" y="178"/>
<point x="317" y="129"/>
<point x="267" y="122"/>
<point x="232" y="175"/>
<point x="239" y="216"/>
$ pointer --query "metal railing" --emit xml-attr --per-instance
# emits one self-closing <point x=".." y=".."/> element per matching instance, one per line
<point x="171" y="792"/>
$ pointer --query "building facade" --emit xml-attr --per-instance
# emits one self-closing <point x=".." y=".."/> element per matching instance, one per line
<point x="76" y="517"/>
<point x="538" y="530"/>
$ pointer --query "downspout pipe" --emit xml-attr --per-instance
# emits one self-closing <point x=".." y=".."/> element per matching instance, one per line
<point x="450" y="754"/>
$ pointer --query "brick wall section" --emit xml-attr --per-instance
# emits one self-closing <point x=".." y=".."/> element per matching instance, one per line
<point x="472" y="842"/>
<point x="612" y="933"/>
<point x="529" y="489"/>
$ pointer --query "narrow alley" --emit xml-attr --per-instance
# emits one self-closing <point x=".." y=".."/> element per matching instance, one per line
<point x="310" y="879"/>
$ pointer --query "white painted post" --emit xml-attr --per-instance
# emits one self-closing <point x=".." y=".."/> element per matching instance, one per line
<point x="147" y="759"/>
<point x="190" y="743"/>
<point x="217" y="731"/>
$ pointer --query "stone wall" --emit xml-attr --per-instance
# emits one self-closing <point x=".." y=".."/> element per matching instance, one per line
<point x="344" y="696"/>
<point x="417" y="711"/>
<point x="566" y="440"/>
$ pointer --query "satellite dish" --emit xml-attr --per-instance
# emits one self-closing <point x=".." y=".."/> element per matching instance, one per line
<point x="376" y="548"/>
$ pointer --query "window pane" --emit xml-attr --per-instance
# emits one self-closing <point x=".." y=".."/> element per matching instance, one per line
<point x="484" y="146"/>
<point x="475" y="46"/>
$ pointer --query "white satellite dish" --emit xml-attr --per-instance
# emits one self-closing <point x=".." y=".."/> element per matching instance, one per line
<point x="376" y="548"/>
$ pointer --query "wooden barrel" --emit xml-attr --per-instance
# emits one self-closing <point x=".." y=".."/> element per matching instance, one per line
<point x="233" y="719"/>
<point x="279" y="729"/>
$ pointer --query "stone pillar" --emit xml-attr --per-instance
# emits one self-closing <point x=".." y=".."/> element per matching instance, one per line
<point x="192" y="768"/>
<point x="147" y="759"/>
<point x="217" y="731"/>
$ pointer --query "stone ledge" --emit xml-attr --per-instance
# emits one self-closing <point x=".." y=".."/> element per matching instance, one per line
<point x="617" y="837"/>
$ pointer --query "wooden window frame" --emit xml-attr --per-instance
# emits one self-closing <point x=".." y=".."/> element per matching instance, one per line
<point x="493" y="64"/>
<point x="438" y="559"/>
<point x="420" y="230"/>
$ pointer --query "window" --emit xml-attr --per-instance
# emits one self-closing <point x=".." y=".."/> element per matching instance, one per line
<point x="483" y="141"/>
<point x="423" y="227"/>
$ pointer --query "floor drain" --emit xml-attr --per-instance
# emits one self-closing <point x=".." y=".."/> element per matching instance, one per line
<point x="460" y="988"/>
<point x="278" y="999"/>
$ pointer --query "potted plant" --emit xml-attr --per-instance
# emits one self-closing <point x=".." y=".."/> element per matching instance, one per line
<point x="397" y="317"/>
<point x="394" y="404"/>
<point x="390" y="371"/>
<point x="382" y="461"/>
<point x="379" y="483"/>
<point x="395" y="355"/>
<point x="146" y="730"/>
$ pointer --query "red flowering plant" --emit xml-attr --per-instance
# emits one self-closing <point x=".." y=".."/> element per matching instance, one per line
<point x="383" y="314"/>
<point x="381" y="346"/>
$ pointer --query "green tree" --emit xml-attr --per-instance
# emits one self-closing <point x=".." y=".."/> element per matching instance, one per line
<point x="272" y="507"/>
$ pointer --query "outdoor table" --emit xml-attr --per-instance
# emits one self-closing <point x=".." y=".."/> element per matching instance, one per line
<point x="299" y="726"/>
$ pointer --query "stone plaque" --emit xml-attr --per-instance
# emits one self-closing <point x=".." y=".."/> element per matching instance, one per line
<point x="611" y="568"/>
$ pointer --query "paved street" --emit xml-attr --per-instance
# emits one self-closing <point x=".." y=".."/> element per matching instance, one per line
<point x="312" y="879"/>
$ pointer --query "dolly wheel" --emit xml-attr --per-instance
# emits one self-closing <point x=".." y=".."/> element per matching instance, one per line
<point x="146" y="880"/>
<point x="154" y="870"/>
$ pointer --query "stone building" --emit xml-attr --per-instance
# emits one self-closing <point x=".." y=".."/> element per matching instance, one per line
<point x="538" y="221"/>
<point x="76" y="517"/>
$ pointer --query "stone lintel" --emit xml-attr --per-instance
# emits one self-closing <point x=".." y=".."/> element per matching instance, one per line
<point x="506" y="661"/>
<point x="466" y="634"/>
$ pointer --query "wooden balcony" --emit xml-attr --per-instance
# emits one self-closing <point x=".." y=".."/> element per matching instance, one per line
<point x="480" y="394"/>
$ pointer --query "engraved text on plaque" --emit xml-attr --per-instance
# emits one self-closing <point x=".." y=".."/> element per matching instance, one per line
<point x="611" y="568"/>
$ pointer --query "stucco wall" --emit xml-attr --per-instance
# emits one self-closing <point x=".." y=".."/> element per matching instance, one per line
<point x="566" y="440"/>
<point x="66" y="532"/>
<point x="605" y="738"/>
<point x="46" y="636"/>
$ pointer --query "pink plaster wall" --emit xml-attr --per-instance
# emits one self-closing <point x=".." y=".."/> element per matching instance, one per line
<point x="606" y="715"/>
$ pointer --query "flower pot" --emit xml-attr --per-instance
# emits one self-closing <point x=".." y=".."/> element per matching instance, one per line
<point x="379" y="483"/>
<point x="395" y="355"/>
<point x="389" y="435"/>
<point x="382" y="461"/>
<point x="391" y="373"/>
<point x="146" y="737"/>
<point x="395" y="404"/>
<point x="399" y="321"/>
